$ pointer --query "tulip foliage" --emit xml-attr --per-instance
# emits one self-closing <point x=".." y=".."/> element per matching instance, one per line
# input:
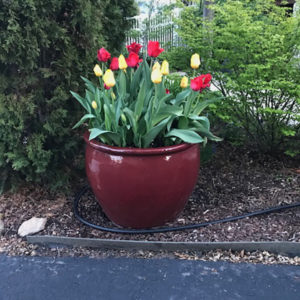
<point x="130" y="107"/>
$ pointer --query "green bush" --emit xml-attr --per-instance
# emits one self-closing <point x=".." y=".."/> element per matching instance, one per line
<point x="179" y="58"/>
<point x="252" y="49"/>
<point x="45" y="47"/>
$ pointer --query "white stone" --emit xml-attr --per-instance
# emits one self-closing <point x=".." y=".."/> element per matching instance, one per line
<point x="31" y="226"/>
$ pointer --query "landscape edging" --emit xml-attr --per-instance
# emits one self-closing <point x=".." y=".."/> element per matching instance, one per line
<point x="277" y="247"/>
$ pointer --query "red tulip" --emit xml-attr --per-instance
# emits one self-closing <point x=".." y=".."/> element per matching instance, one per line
<point x="114" y="65"/>
<point x="134" y="47"/>
<point x="132" y="60"/>
<point x="103" y="55"/>
<point x="201" y="82"/>
<point x="153" y="49"/>
<point x="207" y="79"/>
<point x="167" y="91"/>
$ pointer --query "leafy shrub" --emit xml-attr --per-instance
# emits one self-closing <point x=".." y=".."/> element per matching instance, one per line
<point x="179" y="58"/>
<point x="45" y="45"/>
<point x="252" y="49"/>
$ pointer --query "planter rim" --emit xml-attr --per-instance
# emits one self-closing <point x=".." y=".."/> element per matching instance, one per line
<point x="135" y="151"/>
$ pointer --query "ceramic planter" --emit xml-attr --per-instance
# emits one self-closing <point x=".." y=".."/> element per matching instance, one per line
<point x="141" y="188"/>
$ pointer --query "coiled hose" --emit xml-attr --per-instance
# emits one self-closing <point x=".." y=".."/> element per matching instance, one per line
<point x="177" y="228"/>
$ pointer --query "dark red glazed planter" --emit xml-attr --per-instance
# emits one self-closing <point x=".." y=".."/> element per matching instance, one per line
<point x="141" y="188"/>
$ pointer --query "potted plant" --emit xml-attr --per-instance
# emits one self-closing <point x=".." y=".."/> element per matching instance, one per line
<point x="142" y="143"/>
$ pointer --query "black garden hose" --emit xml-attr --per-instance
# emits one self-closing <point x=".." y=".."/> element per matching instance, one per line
<point x="177" y="228"/>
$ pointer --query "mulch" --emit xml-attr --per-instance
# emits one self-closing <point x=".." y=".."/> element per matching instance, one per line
<point x="234" y="182"/>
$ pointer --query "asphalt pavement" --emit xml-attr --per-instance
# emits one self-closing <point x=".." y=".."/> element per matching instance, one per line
<point x="43" y="278"/>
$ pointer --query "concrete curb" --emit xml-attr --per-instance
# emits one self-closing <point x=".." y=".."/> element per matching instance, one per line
<point x="288" y="248"/>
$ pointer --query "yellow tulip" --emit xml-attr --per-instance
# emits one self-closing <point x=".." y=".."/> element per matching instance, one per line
<point x="165" y="68"/>
<point x="109" y="78"/>
<point x="156" y="76"/>
<point x="156" y="66"/>
<point x="94" y="105"/>
<point x="122" y="62"/>
<point x="195" y="61"/>
<point x="98" y="71"/>
<point x="184" y="82"/>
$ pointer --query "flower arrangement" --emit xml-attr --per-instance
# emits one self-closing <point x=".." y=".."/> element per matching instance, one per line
<point x="130" y="106"/>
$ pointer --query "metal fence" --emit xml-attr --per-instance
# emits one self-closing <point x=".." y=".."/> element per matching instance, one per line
<point x="159" y="28"/>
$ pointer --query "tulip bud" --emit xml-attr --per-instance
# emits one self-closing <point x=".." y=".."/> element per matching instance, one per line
<point x="156" y="66"/>
<point x="109" y="78"/>
<point x="123" y="117"/>
<point x="184" y="82"/>
<point x="122" y="62"/>
<point x="156" y="76"/>
<point x="94" y="105"/>
<point x="195" y="61"/>
<point x="98" y="71"/>
<point x="165" y="68"/>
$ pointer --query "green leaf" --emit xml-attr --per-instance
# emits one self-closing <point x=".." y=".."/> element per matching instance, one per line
<point x="90" y="86"/>
<point x="203" y="130"/>
<point x="94" y="132"/>
<point x="107" y="119"/>
<point x="153" y="132"/>
<point x="135" y="83"/>
<point x="129" y="113"/>
<point x="202" y="105"/>
<point x="202" y="119"/>
<point x="122" y="84"/>
<point x="139" y="105"/>
<point x="166" y="111"/>
<point x="85" y="117"/>
<point x="81" y="100"/>
<point x="181" y="96"/>
<point x="185" y="135"/>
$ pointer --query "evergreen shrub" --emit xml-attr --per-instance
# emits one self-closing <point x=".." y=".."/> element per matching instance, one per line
<point x="45" y="47"/>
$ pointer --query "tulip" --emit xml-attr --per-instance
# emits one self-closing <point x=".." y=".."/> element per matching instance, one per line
<point x="165" y="68"/>
<point x="207" y="80"/>
<point x="197" y="84"/>
<point x="106" y="87"/>
<point x="122" y="62"/>
<point x="103" y="55"/>
<point x="153" y="49"/>
<point x="184" y="82"/>
<point x="195" y="61"/>
<point x="201" y="82"/>
<point x="134" y="47"/>
<point x="156" y="76"/>
<point x="156" y="66"/>
<point x="132" y="60"/>
<point x="109" y="78"/>
<point x="97" y="71"/>
<point x="94" y="105"/>
<point x="167" y="91"/>
<point x="114" y="65"/>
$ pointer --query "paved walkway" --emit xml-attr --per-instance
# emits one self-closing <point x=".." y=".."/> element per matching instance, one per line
<point x="119" y="278"/>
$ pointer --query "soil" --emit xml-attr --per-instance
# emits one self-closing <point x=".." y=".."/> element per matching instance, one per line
<point x="234" y="182"/>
